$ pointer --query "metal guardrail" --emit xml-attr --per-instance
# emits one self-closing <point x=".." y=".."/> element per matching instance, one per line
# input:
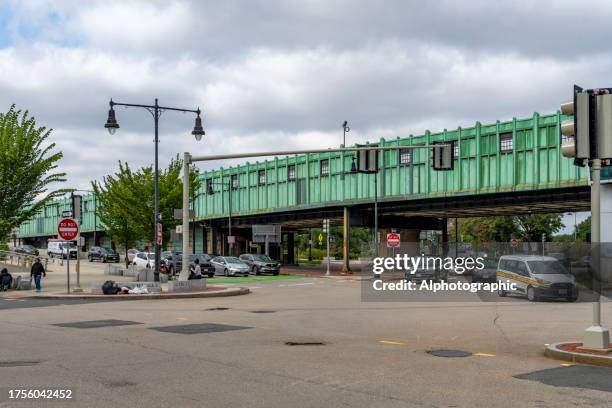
<point x="24" y="260"/>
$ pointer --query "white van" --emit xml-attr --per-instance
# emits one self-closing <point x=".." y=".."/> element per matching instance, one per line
<point x="536" y="277"/>
<point x="60" y="249"/>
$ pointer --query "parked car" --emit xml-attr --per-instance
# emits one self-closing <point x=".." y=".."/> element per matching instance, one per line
<point x="26" y="249"/>
<point x="131" y="253"/>
<point x="229" y="266"/>
<point x="172" y="260"/>
<point x="61" y="249"/>
<point x="259" y="263"/>
<point x="427" y="274"/>
<point x="536" y="277"/>
<point x="206" y="265"/>
<point x="102" y="254"/>
<point x="144" y="260"/>
<point x="488" y="273"/>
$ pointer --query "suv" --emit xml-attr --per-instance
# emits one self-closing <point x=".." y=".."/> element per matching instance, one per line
<point x="172" y="260"/>
<point x="259" y="263"/>
<point x="206" y="266"/>
<point x="102" y="254"/>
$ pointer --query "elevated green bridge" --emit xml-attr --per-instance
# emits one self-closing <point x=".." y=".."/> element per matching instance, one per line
<point x="509" y="167"/>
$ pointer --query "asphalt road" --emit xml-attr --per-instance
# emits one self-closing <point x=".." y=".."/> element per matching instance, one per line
<point x="232" y="352"/>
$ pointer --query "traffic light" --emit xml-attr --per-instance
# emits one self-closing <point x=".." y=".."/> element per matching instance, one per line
<point x="367" y="161"/>
<point x="76" y="206"/>
<point x="589" y="134"/>
<point x="443" y="156"/>
<point x="576" y="132"/>
<point x="326" y="226"/>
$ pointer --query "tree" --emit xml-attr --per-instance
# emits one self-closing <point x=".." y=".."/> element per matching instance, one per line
<point x="127" y="202"/>
<point x="528" y="228"/>
<point x="532" y="227"/>
<point x="27" y="169"/>
<point x="583" y="230"/>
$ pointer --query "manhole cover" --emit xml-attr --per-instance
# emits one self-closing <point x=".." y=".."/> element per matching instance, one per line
<point x="450" y="353"/>
<point x="263" y="311"/>
<point x="218" y="308"/>
<point x="199" y="328"/>
<point x="94" y="324"/>
<point x="304" y="343"/>
<point x="18" y="363"/>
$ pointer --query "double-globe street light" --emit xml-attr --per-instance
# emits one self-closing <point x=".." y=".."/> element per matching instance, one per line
<point x="155" y="110"/>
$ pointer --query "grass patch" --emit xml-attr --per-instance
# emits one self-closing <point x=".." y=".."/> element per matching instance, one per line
<point x="249" y="279"/>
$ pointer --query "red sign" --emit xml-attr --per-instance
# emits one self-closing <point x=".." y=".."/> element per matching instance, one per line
<point x="68" y="229"/>
<point x="231" y="239"/>
<point x="159" y="234"/>
<point x="393" y="240"/>
<point x="514" y="242"/>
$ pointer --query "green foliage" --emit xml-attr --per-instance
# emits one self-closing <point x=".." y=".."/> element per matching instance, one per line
<point x="527" y="228"/>
<point x="583" y="230"/>
<point x="126" y="202"/>
<point x="27" y="164"/>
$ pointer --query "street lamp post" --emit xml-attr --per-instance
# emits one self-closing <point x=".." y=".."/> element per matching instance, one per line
<point x="155" y="110"/>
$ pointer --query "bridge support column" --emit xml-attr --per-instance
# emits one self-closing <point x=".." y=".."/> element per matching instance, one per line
<point x="290" y="260"/>
<point x="346" y="233"/>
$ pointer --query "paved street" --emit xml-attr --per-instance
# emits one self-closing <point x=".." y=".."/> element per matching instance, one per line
<point x="373" y="354"/>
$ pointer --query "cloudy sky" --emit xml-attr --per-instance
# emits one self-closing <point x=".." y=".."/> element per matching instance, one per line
<point x="287" y="73"/>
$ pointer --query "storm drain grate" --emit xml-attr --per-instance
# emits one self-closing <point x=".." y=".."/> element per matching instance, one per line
<point x="263" y="311"/>
<point x="304" y="343"/>
<point x="449" y="353"/>
<point x="18" y="363"/>
<point x="218" y="308"/>
<point x="199" y="328"/>
<point x="94" y="324"/>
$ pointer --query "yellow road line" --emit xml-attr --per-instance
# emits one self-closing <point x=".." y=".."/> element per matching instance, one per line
<point x="567" y="364"/>
<point x="484" y="355"/>
<point x="396" y="343"/>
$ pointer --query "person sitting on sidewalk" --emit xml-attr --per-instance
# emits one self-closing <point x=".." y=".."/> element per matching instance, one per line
<point x="195" y="272"/>
<point x="5" y="280"/>
<point x="37" y="271"/>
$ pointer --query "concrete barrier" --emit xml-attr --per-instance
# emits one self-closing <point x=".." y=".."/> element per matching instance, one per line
<point x="186" y="285"/>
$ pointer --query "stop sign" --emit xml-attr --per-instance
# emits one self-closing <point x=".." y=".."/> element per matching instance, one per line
<point x="514" y="242"/>
<point x="393" y="240"/>
<point x="68" y="229"/>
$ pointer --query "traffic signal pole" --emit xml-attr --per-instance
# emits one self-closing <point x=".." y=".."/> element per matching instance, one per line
<point x="596" y="236"/>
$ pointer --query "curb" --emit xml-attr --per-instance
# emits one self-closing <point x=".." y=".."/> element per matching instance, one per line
<point x="150" y="296"/>
<point x="553" y="351"/>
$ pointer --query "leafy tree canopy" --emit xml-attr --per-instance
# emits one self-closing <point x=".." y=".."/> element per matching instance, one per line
<point x="28" y="166"/>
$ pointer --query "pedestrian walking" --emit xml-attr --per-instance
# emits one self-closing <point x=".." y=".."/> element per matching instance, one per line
<point x="37" y="272"/>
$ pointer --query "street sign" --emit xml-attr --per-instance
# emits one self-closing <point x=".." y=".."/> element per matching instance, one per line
<point x="320" y="237"/>
<point x="67" y="229"/>
<point x="231" y="239"/>
<point x="514" y="242"/>
<point x="393" y="240"/>
<point x="179" y="229"/>
<point x="159" y="234"/>
<point x="67" y="214"/>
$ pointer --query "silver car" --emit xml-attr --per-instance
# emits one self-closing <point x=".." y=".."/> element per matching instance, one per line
<point x="229" y="266"/>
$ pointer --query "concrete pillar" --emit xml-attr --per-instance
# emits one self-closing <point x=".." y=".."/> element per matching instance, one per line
<point x="290" y="248"/>
<point x="346" y="230"/>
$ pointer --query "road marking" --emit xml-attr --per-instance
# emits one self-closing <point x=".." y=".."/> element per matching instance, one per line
<point x="182" y="318"/>
<point x="566" y="364"/>
<point x="393" y="342"/>
<point x="301" y="284"/>
<point x="484" y="355"/>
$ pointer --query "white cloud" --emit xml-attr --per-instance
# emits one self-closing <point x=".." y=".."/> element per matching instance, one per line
<point x="279" y="75"/>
